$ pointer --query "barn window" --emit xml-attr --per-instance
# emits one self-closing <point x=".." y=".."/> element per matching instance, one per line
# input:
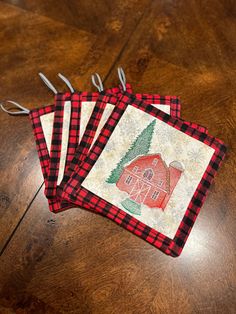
<point x="155" y="195"/>
<point x="135" y="169"/>
<point x="148" y="174"/>
<point x="155" y="161"/>
<point x="128" y="180"/>
<point x="159" y="183"/>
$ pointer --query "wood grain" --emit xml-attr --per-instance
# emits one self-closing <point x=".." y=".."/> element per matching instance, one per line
<point x="107" y="18"/>
<point x="31" y="43"/>
<point x="79" y="262"/>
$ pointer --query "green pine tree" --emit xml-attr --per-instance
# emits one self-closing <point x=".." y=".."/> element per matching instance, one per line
<point x="139" y="147"/>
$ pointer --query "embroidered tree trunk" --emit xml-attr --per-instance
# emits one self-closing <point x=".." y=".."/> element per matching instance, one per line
<point x="139" y="147"/>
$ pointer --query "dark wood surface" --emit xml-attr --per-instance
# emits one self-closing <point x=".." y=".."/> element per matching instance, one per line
<point x="78" y="262"/>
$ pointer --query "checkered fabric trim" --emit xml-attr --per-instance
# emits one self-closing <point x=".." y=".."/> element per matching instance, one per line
<point x="172" y="101"/>
<point x="51" y="190"/>
<point x="79" y="195"/>
<point x="51" y="182"/>
<point x="196" y="126"/>
<point x="175" y="107"/>
<point x="41" y="146"/>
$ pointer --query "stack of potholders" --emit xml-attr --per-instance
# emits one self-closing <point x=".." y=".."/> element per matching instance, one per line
<point x="129" y="157"/>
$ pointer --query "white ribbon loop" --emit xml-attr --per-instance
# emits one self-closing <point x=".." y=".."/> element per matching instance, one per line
<point x="122" y="77"/>
<point x="48" y="83"/>
<point x="67" y="82"/>
<point x="97" y="82"/>
<point x="22" y="110"/>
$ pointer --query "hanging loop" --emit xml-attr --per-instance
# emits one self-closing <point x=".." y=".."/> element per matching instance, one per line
<point x="97" y="82"/>
<point x="122" y="77"/>
<point x="67" y="82"/>
<point x="48" y="83"/>
<point x="21" y="110"/>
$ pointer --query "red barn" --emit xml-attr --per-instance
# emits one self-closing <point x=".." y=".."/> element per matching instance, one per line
<point x="148" y="180"/>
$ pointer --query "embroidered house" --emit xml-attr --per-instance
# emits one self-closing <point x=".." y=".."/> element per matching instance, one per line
<point x="148" y="180"/>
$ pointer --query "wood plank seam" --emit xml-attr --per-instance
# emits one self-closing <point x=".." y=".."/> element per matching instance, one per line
<point x="20" y="220"/>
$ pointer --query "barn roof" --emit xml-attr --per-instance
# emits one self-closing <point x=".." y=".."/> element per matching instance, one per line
<point x="148" y="156"/>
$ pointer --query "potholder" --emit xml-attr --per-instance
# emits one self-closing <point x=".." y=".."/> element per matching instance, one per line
<point x="151" y="177"/>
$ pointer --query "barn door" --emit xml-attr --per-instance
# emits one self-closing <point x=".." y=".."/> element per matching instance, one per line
<point x="139" y="191"/>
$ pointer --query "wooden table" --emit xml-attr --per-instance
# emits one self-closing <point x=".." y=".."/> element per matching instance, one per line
<point x="78" y="262"/>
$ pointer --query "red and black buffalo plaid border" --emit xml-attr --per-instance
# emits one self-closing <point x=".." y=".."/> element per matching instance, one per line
<point x="41" y="146"/>
<point x="73" y="140"/>
<point x="175" y="107"/>
<point x="77" y="194"/>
